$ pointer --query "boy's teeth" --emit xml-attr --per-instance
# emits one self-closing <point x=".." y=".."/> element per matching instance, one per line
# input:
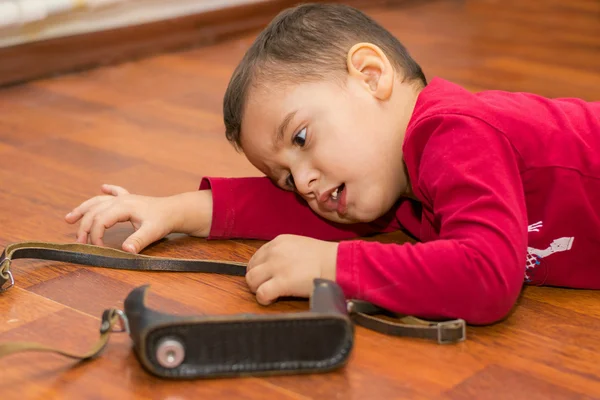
<point x="334" y="195"/>
<point x="336" y="192"/>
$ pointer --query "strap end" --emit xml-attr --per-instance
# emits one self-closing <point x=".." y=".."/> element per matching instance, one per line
<point x="447" y="331"/>
<point x="9" y="278"/>
<point x="109" y="319"/>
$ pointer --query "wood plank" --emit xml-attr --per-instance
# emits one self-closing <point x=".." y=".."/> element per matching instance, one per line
<point x="495" y="382"/>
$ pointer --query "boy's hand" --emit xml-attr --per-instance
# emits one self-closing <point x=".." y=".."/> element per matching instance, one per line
<point x="287" y="265"/>
<point x="149" y="217"/>
<point x="152" y="217"/>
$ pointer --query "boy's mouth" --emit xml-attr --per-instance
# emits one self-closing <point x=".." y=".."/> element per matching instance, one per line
<point x="338" y="191"/>
<point x="335" y="200"/>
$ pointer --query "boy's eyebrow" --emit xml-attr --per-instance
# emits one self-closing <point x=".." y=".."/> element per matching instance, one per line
<point x="283" y="127"/>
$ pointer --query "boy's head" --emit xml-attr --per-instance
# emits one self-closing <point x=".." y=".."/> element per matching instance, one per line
<point x="321" y="101"/>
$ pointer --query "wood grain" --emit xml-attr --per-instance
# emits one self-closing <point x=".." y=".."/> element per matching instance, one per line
<point x="154" y="126"/>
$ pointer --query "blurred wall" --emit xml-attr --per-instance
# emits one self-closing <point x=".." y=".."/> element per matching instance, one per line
<point x="46" y="19"/>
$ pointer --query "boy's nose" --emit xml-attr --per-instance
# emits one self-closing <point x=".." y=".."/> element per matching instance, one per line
<point x="307" y="188"/>
<point x="306" y="183"/>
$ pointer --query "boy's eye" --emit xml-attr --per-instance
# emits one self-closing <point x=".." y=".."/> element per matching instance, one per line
<point x="300" y="138"/>
<point x="289" y="181"/>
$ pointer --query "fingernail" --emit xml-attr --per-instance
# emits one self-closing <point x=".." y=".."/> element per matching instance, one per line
<point x="68" y="215"/>
<point x="130" y="247"/>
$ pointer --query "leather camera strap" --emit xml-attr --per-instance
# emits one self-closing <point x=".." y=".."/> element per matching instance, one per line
<point x="361" y="312"/>
<point x="109" y="320"/>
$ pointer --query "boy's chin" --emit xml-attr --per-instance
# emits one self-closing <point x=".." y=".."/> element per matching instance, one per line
<point x="349" y="218"/>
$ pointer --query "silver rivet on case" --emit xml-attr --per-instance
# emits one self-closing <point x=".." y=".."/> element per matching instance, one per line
<point x="170" y="352"/>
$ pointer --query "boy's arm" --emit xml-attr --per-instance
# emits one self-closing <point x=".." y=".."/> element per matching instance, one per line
<point x="255" y="208"/>
<point x="475" y="270"/>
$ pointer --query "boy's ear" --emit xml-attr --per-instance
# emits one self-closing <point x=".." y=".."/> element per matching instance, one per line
<point x="370" y="65"/>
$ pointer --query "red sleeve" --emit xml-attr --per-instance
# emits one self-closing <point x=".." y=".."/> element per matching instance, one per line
<point x="255" y="208"/>
<point x="469" y="178"/>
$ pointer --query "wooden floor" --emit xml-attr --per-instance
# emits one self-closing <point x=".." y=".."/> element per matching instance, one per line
<point x="154" y="127"/>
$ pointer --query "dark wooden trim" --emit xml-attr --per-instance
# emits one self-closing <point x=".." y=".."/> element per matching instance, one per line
<point x="68" y="54"/>
<point x="41" y="59"/>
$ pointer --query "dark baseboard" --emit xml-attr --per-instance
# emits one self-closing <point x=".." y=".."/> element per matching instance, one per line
<point x="29" y="61"/>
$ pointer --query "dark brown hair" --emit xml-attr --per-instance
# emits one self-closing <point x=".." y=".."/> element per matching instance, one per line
<point x="307" y="42"/>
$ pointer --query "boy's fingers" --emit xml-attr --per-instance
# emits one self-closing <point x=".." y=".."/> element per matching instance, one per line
<point x="78" y="212"/>
<point x="114" y="190"/>
<point x="104" y="220"/>
<point x="88" y="221"/>
<point x="257" y="276"/>
<point x="140" y="239"/>
<point x="73" y="217"/>
<point x="259" y="257"/>
<point x="268" y="292"/>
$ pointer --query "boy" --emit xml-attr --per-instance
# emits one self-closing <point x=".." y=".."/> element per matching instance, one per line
<point x="498" y="187"/>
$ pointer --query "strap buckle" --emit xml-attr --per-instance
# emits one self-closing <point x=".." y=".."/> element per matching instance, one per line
<point x="11" y="282"/>
<point x="108" y="321"/>
<point x="449" y="326"/>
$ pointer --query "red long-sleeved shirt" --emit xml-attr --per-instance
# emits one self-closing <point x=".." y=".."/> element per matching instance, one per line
<point x="509" y="185"/>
